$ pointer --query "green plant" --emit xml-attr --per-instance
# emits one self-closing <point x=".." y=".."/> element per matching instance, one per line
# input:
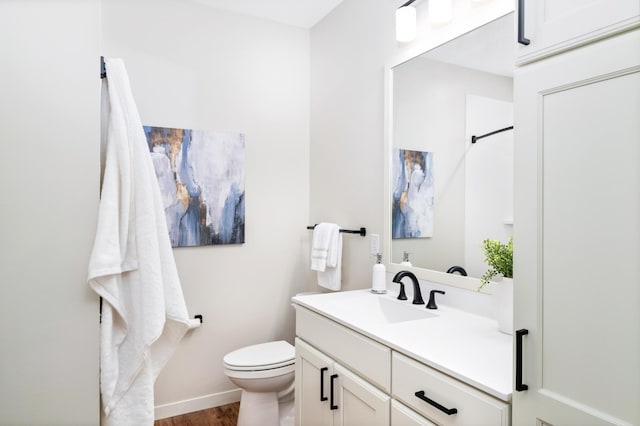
<point x="499" y="257"/>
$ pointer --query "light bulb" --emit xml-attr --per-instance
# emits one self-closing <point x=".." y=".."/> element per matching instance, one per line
<point x="406" y="24"/>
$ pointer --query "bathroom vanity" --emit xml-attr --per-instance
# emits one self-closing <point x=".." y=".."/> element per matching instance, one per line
<point x="370" y="359"/>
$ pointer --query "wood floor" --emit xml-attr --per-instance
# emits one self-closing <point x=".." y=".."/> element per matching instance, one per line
<point x="225" y="415"/>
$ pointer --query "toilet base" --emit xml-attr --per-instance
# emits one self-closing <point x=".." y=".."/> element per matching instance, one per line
<point x="259" y="409"/>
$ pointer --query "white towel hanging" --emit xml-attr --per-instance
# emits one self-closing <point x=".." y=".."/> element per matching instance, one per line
<point x="132" y="267"/>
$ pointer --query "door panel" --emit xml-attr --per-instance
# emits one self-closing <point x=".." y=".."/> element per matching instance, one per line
<point x="310" y="409"/>
<point x="591" y="242"/>
<point x="578" y="241"/>
<point x="359" y="402"/>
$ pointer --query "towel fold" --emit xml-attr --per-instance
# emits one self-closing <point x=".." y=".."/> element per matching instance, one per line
<point x="132" y="267"/>
<point x="326" y="255"/>
<point x="324" y="236"/>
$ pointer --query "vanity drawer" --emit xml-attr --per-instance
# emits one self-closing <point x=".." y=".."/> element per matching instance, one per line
<point x="472" y="406"/>
<point x="403" y="416"/>
<point x="368" y="358"/>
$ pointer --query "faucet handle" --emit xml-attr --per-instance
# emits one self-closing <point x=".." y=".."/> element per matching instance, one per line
<point x="402" y="295"/>
<point x="432" y="299"/>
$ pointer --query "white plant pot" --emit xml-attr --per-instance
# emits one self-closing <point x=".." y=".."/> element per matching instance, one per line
<point x="502" y="300"/>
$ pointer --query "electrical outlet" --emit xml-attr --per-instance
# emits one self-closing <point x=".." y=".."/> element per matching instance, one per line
<point x="375" y="244"/>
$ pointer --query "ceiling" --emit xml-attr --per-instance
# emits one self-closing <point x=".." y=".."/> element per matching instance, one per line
<point x="299" y="13"/>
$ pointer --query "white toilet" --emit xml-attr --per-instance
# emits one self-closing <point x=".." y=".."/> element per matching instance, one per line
<point x="265" y="373"/>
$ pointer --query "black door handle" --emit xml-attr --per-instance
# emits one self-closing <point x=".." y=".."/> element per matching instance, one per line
<point x="332" y="404"/>
<point x="521" y="38"/>
<point x="449" y="411"/>
<point x="519" y="385"/>
<point x="322" y="370"/>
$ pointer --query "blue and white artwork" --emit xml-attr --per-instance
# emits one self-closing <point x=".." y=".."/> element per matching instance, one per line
<point x="201" y="178"/>
<point x="413" y="189"/>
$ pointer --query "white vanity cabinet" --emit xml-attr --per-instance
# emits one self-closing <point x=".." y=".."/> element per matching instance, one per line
<point x="554" y="26"/>
<point x="577" y="207"/>
<point x="346" y="378"/>
<point x="327" y="391"/>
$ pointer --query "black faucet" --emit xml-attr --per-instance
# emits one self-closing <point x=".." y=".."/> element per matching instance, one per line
<point x="459" y="269"/>
<point x="417" y="295"/>
<point x="432" y="299"/>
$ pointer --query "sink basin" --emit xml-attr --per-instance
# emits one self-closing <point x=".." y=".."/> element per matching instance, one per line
<point x="392" y="311"/>
<point x="369" y="308"/>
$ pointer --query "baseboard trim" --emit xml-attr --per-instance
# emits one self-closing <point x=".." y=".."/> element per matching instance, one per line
<point x="197" y="404"/>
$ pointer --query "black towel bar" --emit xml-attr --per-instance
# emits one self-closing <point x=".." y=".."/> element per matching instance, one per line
<point x="474" y="139"/>
<point x="361" y="231"/>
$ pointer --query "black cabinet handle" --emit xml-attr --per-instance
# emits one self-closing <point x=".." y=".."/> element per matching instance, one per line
<point x="449" y="411"/>
<point x="322" y="371"/>
<point x="519" y="334"/>
<point x="332" y="405"/>
<point x="521" y="38"/>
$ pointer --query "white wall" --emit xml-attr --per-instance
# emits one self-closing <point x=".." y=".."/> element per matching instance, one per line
<point x="195" y="67"/>
<point x="348" y="51"/>
<point x="49" y="122"/>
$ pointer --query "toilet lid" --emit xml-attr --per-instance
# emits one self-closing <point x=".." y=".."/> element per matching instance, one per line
<point x="263" y="356"/>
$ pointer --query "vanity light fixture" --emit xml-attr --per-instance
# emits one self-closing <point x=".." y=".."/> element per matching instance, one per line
<point x="440" y="11"/>
<point x="406" y="22"/>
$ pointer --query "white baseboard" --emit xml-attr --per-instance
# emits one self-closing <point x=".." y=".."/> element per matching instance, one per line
<point x="197" y="404"/>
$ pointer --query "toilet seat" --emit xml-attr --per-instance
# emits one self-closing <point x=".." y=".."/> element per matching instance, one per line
<point x="261" y="357"/>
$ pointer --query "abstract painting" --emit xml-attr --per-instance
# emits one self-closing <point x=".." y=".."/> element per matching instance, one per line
<point x="201" y="178"/>
<point x="412" y="204"/>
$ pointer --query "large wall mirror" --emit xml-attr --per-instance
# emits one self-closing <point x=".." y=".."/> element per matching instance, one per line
<point x="446" y="194"/>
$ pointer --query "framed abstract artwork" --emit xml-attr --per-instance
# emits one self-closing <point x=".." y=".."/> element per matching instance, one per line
<point x="201" y="179"/>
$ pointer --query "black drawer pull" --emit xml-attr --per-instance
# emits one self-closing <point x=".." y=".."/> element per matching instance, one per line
<point x="332" y="405"/>
<point x="519" y="334"/>
<point x="521" y="38"/>
<point x="449" y="411"/>
<point x="322" y="370"/>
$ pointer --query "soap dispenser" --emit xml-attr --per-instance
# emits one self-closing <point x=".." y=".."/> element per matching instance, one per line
<point x="405" y="259"/>
<point x="378" y="283"/>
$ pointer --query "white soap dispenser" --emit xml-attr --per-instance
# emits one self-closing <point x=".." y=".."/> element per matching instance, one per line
<point x="378" y="283"/>
<point x="405" y="259"/>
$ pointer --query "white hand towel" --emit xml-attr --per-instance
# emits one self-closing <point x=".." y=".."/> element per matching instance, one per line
<point x="132" y="268"/>
<point x="331" y="277"/>
<point x="324" y="234"/>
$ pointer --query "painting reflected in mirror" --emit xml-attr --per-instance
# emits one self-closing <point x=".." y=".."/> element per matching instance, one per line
<point x="447" y="193"/>
<point x="412" y="208"/>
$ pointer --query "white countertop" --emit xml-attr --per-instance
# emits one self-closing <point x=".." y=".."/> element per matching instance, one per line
<point x="463" y="345"/>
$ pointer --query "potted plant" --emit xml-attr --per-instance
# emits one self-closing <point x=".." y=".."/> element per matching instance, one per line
<point x="499" y="257"/>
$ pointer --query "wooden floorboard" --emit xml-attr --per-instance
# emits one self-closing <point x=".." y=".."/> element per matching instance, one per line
<point x="225" y="415"/>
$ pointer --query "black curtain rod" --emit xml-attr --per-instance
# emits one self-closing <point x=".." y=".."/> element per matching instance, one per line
<point x="407" y="3"/>
<point x="361" y="231"/>
<point x="103" y="69"/>
<point x="475" y="138"/>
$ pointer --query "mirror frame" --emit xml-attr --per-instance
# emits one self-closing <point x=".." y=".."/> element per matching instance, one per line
<point x="454" y="280"/>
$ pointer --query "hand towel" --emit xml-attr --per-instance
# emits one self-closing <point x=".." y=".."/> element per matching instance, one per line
<point x="331" y="277"/>
<point x="324" y="234"/>
<point x="132" y="267"/>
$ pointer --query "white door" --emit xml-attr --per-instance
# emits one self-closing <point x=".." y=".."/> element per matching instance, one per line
<point x="553" y="26"/>
<point x="313" y="386"/>
<point x="358" y="403"/>
<point x="577" y="235"/>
